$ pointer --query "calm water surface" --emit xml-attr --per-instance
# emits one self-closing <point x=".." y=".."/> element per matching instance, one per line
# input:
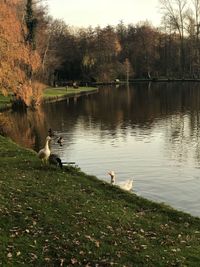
<point x="150" y="132"/>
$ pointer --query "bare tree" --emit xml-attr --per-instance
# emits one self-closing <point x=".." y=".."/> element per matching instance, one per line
<point x="196" y="6"/>
<point x="175" y="14"/>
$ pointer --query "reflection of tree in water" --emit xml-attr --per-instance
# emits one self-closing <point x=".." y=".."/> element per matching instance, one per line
<point x="118" y="112"/>
<point x="23" y="127"/>
<point x="182" y="126"/>
<point x="5" y="125"/>
<point x="107" y="113"/>
<point x="177" y="136"/>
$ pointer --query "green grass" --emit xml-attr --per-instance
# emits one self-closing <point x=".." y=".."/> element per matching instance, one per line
<point x="4" y="101"/>
<point x="52" y="217"/>
<point x="51" y="92"/>
<point x="62" y="91"/>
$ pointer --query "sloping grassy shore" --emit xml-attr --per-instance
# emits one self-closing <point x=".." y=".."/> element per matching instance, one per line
<point x="48" y="93"/>
<point x="63" y="91"/>
<point x="52" y="217"/>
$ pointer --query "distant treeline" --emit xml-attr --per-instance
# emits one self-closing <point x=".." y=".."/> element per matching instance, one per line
<point x="48" y="50"/>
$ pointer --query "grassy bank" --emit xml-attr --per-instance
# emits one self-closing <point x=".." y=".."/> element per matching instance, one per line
<point x="52" y="217"/>
<point x="4" y="101"/>
<point x="63" y="91"/>
<point x="51" y="92"/>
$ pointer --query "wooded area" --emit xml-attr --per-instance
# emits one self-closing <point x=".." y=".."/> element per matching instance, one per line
<point x="36" y="49"/>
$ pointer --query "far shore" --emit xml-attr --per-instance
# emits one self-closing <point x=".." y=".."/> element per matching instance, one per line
<point x="58" y="93"/>
<point x="132" y="81"/>
<point x="51" y="94"/>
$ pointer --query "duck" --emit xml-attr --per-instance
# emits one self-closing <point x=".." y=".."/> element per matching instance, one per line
<point x="60" y="140"/>
<point x="51" y="132"/>
<point x="45" y="152"/>
<point x="55" y="160"/>
<point x="125" y="185"/>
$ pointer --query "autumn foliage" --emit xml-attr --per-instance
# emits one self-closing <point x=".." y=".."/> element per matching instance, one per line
<point x="36" y="49"/>
<point x="18" y="61"/>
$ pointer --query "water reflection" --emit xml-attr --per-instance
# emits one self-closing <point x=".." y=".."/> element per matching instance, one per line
<point x="149" y="131"/>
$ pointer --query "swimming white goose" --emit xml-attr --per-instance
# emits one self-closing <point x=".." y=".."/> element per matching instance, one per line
<point x="45" y="152"/>
<point x="125" y="185"/>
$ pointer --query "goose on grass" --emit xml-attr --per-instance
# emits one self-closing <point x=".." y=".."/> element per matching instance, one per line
<point x="55" y="160"/>
<point x="45" y="152"/>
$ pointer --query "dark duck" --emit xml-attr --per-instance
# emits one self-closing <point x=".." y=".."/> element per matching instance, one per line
<point x="55" y="160"/>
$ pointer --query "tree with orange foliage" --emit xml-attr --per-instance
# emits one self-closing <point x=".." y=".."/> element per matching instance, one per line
<point x="19" y="61"/>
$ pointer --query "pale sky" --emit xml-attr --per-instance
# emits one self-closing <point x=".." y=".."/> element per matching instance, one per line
<point x="83" y="13"/>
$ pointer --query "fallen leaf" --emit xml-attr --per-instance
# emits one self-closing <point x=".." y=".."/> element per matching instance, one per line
<point x="18" y="253"/>
<point x="74" y="261"/>
<point x="9" y="255"/>
<point x="62" y="262"/>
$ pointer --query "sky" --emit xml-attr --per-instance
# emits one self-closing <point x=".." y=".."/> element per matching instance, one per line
<point x="84" y="13"/>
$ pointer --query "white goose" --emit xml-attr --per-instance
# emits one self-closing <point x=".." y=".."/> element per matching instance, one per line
<point x="45" y="152"/>
<point x="125" y="185"/>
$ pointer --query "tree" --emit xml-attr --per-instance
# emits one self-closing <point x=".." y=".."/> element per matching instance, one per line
<point x="103" y="55"/>
<point x="31" y="24"/>
<point x="193" y="32"/>
<point x="175" y="14"/>
<point x="18" y="60"/>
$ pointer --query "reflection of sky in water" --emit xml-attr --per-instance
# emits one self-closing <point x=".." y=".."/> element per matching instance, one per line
<point x="151" y="159"/>
<point x="148" y="133"/>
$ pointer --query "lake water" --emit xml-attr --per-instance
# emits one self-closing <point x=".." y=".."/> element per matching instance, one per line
<point x="148" y="132"/>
